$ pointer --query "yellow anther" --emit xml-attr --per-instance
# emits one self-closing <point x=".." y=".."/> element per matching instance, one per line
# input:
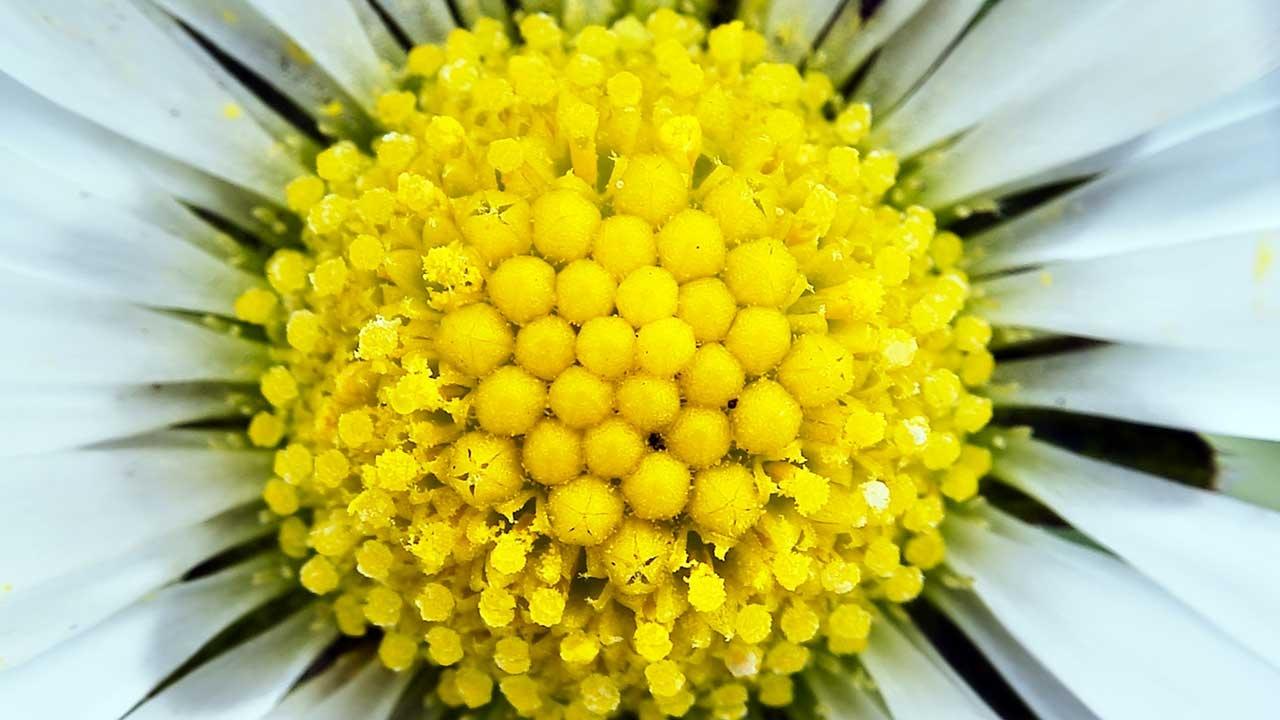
<point x="303" y="193"/>
<point x="444" y="646"/>
<point x="266" y="430"/>
<point x="546" y="607"/>
<point x="397" y="651"/>
<point x="511" y="655"/>
<point x="319" y="576"/>
<point x="280" y="497"/>
<point x="278" y="386"/>
<point x="652" y="641"/>
<point x="706" y="589"/>
<point x="753" y="623"/>
<point x="256" y="305"/>
<point x="366" y="252"/>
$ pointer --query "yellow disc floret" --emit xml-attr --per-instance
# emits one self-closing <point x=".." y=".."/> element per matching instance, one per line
<point x="604" y="379"/>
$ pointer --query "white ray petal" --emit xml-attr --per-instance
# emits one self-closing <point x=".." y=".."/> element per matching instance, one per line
<point x="106" y="671"/>
<point x="791" y="26"/>
<point x="840" y="696"/>
<point x="242" y="32"/>
<point x="63" y="505"/>
<point x="1222" y="183"/>
<point x="913" y="51"/>
<point x="56" y="228"/>
<point x="371" y="694"/>
<point x="297" y="705"/>
<point x="1209" y="294"/>
<point x="1014" y="46"/>
<point x="330" y="32"/>
<point x="38" y="418"/>
<point x="1252" y="100"/>
<point x="915" y="682"/>
<point x="62" y="336"/>
<point x="137" y="178"/>
<point x="1247" y="469"/>
<point x="247" y="681"/>
<point x="1164" y="529"/>
<point x="1228" y="393"/>
<point x="424" y="21"/>
<point x="1034" y="683"/>
<point x="107" y="61"/>
<point x="384" y="43"/>
<point x="36" y="618"/>
<point x="849" y="43"/>
<point x="1143" y="67"/>
<point x="1125" y="647"/>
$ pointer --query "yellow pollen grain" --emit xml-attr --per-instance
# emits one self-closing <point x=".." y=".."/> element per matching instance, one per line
<point x="604" y="377"/>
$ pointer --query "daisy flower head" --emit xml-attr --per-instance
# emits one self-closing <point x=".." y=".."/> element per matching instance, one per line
<point x="573" y="360"/>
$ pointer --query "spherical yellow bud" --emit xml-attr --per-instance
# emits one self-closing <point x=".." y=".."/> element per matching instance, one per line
<point x="564" y="223"/>
<point x="708" y="307"/>
<point x="585" y="511"/>
<point x="606" y="346"/>
<point x="659" y="487"/>
<point x="652" y="641"/>
<point x="753" y="623"/>
<point x="691" y="246"/>
<point x="484" y="469"/>
<point x="624" y="244"/>
<point x="664" y="347"/>
<point x="762" y="273"/>
<point x="759" y="338"/>
<point x="699" y="436"/>
<point x="509" y="401"/>
<point x="726" y="501"/>
<point x="552" y="453"/>
<point x="713" y="377"/>
<point x="649" y="403"/>
<point x="545" y="347"/>
<point x="580" y="399"/>
<point x="817" y="371"/>
<point x="652" y="188"/>
<point x="766" y="419"/>
<point x="613" y="448"/>
<point x="646" y="295"/>
<point x="476" y="339"/>
<point x="584" y="290"/>
<point x="523" y="288"/>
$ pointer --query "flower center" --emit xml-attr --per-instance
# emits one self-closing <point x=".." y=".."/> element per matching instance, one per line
<point x="608" y="380"/>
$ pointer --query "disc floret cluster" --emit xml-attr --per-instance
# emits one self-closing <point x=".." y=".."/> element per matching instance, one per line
<point x="605" y="377"/>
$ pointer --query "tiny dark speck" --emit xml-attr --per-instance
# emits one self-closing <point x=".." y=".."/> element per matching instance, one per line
<point x="656" y="442"/>
<point x="733" y="403"/>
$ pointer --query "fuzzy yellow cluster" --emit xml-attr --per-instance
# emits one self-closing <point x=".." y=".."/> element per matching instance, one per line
<point x="610" y="382"/>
